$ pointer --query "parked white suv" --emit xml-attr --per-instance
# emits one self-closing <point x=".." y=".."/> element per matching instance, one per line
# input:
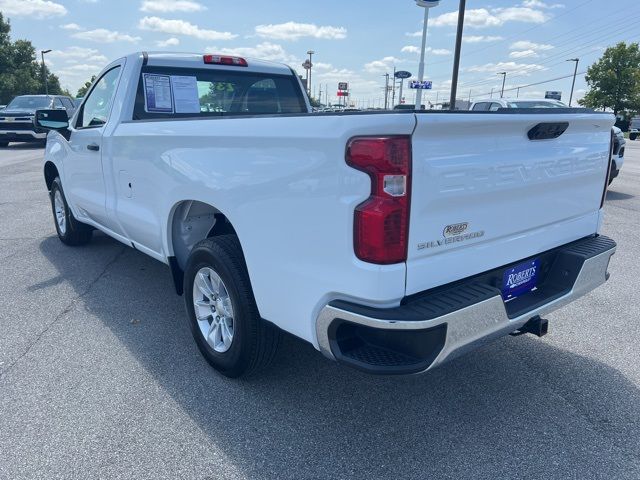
<point x="383" y="239"/>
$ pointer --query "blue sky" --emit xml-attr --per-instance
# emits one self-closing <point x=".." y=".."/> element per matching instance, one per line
<point x="354" y="41"/>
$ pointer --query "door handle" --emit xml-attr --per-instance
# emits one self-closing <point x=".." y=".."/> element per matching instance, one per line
<point x="94" y="147"/>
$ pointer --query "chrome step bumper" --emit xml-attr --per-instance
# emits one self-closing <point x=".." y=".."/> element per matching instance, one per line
<point x="449" y="321"/>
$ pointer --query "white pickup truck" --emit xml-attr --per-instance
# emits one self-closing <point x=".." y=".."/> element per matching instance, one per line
<point x="390" y="241"/>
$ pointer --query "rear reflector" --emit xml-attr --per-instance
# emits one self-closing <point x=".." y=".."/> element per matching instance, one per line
<point x="225" y="60"/>
<point x="381" y="223"/>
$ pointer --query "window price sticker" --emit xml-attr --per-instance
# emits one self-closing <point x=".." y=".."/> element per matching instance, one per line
<point x="157" y="93"/>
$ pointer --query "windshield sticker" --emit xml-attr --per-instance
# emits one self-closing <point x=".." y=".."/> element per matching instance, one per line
<point x="157" y="93"/>
<point x="185" y="94"/>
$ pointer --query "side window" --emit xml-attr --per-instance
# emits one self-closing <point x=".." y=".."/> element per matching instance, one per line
<point x="494" y="107"/>
<point x="481" y="107"/>
<point x="67" y="103"/>
<point x="57" y="103"/>
<point x="95" y="111"/>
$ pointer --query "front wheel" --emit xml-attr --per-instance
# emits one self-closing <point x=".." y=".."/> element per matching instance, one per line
<point x="4" y="144"/>
<point x="223" y="315"/>
<point x="633" y="136"/>
<point x="70" y="231"/>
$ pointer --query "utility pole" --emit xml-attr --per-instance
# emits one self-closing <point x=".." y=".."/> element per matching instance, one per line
<point x="44" y="72"/>
<point x="310" y="53"/>
<point x="456" y="55"/>
<point x="393" y="94"/>
<point x="491" y="96"/>
<point x="386" y="91"/>
<point x="575" y="72"/>
<point x="504" y="79"/>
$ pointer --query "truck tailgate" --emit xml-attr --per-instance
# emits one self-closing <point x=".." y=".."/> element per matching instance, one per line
<point x="484" y="195"/>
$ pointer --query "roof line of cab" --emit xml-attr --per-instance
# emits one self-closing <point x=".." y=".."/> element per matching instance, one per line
<point x="192" y="60"/>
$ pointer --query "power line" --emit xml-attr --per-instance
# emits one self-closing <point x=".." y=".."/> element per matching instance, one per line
<point x="630" y="24"/>
<point x="554" y="58"/>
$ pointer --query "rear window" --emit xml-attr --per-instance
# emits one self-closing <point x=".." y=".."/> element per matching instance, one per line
<point x="536" y="104"/>
<point x="219" y="92"/>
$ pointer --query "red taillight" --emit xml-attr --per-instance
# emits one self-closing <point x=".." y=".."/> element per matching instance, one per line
<point x="225" y="60"/>
<point x="381" y="223"/>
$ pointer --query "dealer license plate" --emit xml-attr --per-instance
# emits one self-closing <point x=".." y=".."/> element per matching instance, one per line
<point x="520" y="279"/>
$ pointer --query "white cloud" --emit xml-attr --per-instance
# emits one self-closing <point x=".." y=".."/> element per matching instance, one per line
<point x="481" y="38"/>
<point x="181" y="27"/>
<point x="521" y="14"/>
<point x="481" y="17"/>
<point x="523" y="54"/>
<point x="295" y="31"/>
<point x="81" y="69"/>
<point x="102" y="35"/>
<point x="169" y="42"/>
<point x="539" y="4"/>
<point x="435" y="51"/>
<point x="71" y="26"/>
<point x="165" y="6"/>
<point x="381" y="65"/>
<point x="262" y="51"/>
<point x="521" y="68"/>
<point x="75" y="54"/>
<point x="32" y="8"/>
<point x="410" y="49"/>
<point x="527" y="45"/>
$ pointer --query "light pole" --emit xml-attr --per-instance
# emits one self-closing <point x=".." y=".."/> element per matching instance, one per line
<point x="456" y="54"/>
<point x="575" y="72"/>
<point x="44" y="72"/>
<point x="426" y="4"/>
<point x="504" y="78"/>
<point x="310" y="53"/>
<point x="386" y="91"/>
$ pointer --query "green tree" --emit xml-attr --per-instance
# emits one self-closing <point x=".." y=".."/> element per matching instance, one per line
<point x="614" y="80"/>
<point x="20" y="72"/>
<point x="82" y="91"/>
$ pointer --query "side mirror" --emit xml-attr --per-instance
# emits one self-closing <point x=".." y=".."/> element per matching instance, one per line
<point x="52" y="119"/>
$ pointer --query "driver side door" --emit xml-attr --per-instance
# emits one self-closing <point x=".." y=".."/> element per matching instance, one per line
<point x="84" y="180"/>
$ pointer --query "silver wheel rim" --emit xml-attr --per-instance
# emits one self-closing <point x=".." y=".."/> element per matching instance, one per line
<point x="213" y="309"/>
<point x="58" y="207"/>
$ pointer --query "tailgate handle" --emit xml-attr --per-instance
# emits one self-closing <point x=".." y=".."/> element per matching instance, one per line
<point x="546" y="131"/>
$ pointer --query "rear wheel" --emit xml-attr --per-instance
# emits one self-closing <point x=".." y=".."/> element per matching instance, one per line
<point x="223" y="315"/>
<point x="70" y="231"/>
<point x="4" y="144"/>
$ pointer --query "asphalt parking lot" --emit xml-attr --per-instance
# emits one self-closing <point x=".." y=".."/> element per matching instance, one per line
<point x="99" y="376"/>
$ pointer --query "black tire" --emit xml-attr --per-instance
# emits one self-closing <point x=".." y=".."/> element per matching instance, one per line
<point x="633" y="136"/>
<point x="255" y="341"/>
<point x="75" y="232"/>
<point x="4" y="144"/>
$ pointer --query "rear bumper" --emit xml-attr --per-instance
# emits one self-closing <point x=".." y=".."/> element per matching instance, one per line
<point x="21" y="136"/>
<point x="435" y="326"/>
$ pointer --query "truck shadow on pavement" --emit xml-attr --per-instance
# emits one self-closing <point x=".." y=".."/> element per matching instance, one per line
<point x="519" y="407"/>
<point x="613" y="195"/>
